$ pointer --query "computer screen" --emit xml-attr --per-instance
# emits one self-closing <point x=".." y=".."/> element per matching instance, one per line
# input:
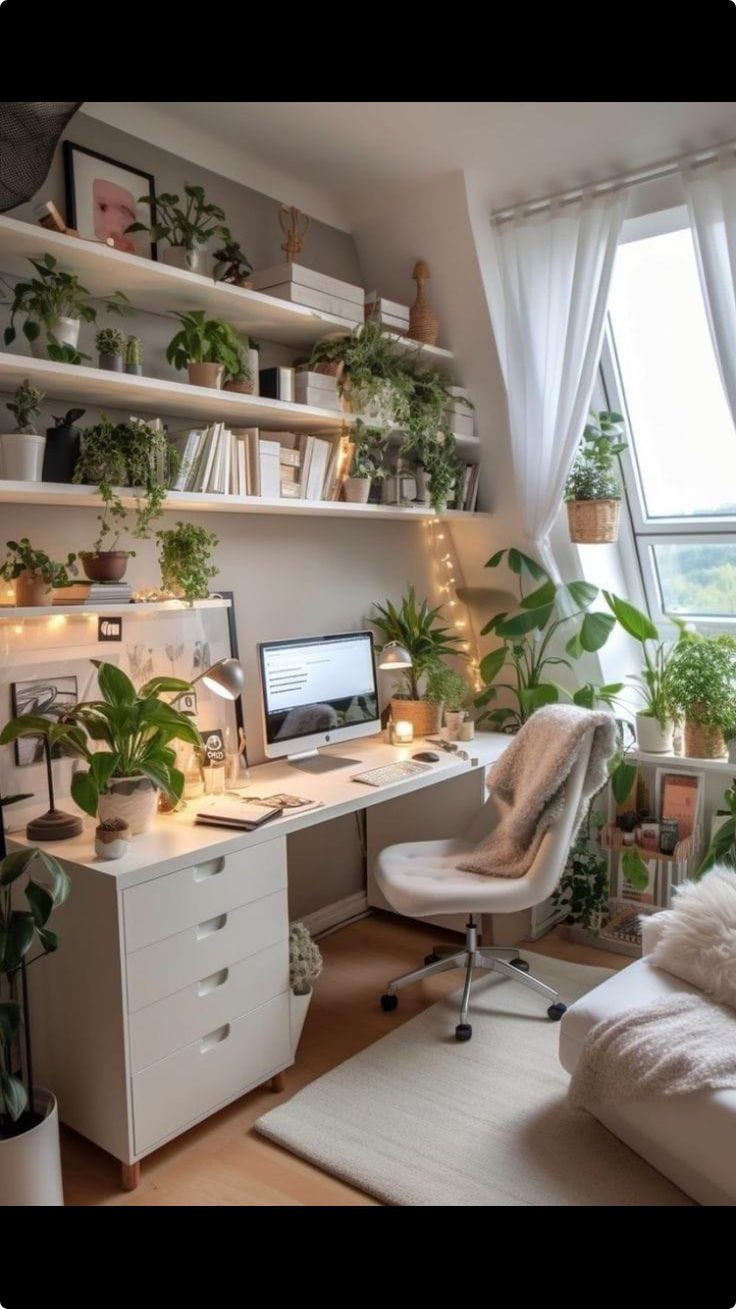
<point x="318" y="685"/>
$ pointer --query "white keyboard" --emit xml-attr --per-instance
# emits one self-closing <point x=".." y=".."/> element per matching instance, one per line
<point x="390" y="773"/>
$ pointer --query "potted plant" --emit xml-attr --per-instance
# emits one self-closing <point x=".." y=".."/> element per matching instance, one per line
<point x="305" y="966"/>
<point x="35" y="575"/>
<point x="208" y="347"/>
<point x="450" y="689"/>
<point x="62" y="447"/>
<point x="110" y="344"/>
<point x="370" y="377"/>
<point x="134" y="355"/>
<point x="367" y="463"/>
<point x="442" y="469"/>
<point x="112" y="838"/>
<point x="113" y="455"/>
<point x="185" y="225"/>
<point x="701" y="684"/>
<point x="30" y="1162"/>
<point x="593" y="489"/>
<point x="23" y="450"/>
<point x="186" y="560"/>
<point x="54" y="304"/>
<point x="584" y="887"/>
<point x="655" y="720"/>
<point x="231" y="263"/>
<point x="417" y="630"/>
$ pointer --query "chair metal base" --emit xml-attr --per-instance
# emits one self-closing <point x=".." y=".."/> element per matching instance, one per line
<point x="495" y="958"/>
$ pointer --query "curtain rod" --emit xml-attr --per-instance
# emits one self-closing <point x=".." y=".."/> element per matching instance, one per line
<point x="665" y="169"/>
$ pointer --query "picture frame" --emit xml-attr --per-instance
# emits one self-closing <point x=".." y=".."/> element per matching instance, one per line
<point x="47" y="697"/>
<point x="102" y="199"/>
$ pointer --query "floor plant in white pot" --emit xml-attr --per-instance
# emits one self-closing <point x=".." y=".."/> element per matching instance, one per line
<point x="30" y="1163"/>
<point x="305" y="966"/>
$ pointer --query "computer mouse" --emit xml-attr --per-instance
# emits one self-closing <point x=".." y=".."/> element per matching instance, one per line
<point x="426" y="757"/>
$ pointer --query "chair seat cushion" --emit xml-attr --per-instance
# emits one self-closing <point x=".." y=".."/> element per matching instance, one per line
<point x="422" y="879"/>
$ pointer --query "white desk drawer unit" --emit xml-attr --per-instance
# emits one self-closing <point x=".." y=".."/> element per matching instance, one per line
<point x="227" y="1062"/>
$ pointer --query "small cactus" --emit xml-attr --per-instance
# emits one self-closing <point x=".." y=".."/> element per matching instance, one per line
<point x="110" y="341"/>
<point x="305" y="960"/>
<point x="133" y="352"/>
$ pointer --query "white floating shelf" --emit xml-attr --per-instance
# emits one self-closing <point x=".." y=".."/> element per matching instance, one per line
<point x="159" y="288"/>
<point x="683" y="761"/>
<point x="152" y="395"/>
<point x="10" y="614"/>
<point x="83" y="497"/>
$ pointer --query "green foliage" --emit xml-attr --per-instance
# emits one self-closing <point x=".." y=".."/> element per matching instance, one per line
<point x="415" y="628"/>
<point x="305" y="959"/>
<point x="583" y="889"/>
<point x="25" y="406"/>
<point x="186" y="559"/>
<point x="52" y="295"/>
<point x="205" y="340"/>
<point x="445" y="686"/>
<point x="68" y="419"/>
<point x="701" y="681"/>
<point x="371" y="372"/>
<point x="722" y="849"/>
<point x="134" y="351"/>
<point x="110" y="341"/>
<point x="651" y="684"/>
<point x="594" y="475"/>
<point x="22" y="557"/>
<point x="188" y="223"/>
<point x="443" y="468"/>
<point x="370" y="448"/>
<point x="129" y="454"/>
<point x="231" y="262"/>
<point x="62" y="352"/>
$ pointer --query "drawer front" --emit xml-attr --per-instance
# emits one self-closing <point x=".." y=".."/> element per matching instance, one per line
<point x="179" y="1019"/>
<point x="166" y="905"/>
<point x="186" y="958"/>
<point x="171" y="1094"/>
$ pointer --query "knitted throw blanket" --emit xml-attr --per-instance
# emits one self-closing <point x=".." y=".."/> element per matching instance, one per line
<point x="530" y="779"/>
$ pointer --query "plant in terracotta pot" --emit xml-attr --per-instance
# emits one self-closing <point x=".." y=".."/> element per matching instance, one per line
<point x="62" y="447"/>
<point x="55" y="304"/>
<point x="114" y="455"/>
<point x="305" y="966"/>
<point x="184" y="225"/>
<point x="112" y="838"/>
<point x="134" y="355"/>
<point x="593" y="489"/>
<point x="35" y="575"/>
<point x="186" y="560"/>
<point x="22" y="451"/>
<point x="208" y="348"/>
<point x="110" y="346"/>
<point x="231" y="264"/>
<point x="370" y="377"/>
<point x="701" y="684"/>
<point x="367" y="464"/>
<point x="418" y="630"/>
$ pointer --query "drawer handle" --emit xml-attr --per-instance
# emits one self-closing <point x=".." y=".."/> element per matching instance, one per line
<point x="210" y="869"/>
<point x="212" y="982"/>
<point x="214" y="1038"/>
<point x="212" y="925"/>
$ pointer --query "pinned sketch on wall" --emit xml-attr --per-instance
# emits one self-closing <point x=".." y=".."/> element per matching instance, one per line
<point x="43" y="698"/>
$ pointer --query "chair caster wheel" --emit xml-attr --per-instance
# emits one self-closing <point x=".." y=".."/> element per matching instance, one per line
<point x="389" y="1003"/>
<point x="431" y="959"/>
<point x="463" y="1032"/>
<point x="556" y="1011"/>
<point x="521" y="964"/>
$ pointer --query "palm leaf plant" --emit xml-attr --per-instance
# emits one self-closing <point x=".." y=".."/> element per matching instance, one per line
<point x="418" y="629"/>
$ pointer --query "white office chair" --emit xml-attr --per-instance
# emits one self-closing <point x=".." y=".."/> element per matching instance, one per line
<point x="421" y="879"/>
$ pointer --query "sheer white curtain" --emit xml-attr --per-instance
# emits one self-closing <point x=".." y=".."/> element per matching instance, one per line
<point x="711" y="199"/>
<point x="549" y="280"/>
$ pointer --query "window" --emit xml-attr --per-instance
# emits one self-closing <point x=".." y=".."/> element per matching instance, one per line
<point x="660" y="370"/>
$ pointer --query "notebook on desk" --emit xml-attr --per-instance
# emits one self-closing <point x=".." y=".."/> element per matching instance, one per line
<point x="238" y="814"/>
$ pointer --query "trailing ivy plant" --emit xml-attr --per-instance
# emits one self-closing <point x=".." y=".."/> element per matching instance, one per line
<point x="51" y="295"/>
<point x="186" y="559"/>
<point x="190" y="222"/>
<point x="133" y="454"/>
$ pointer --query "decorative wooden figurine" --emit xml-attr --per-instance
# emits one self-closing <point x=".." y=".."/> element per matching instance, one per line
<point x="423" y="322"/>
<point x="291" y="219"/>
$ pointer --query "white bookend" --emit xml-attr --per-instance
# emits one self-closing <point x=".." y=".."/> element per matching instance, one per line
<point x="269" y="469"/>
<point x="301" y="276"/>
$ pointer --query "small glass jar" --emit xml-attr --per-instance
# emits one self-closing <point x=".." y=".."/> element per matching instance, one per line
<point x="193" y="777"/>
<point x="214" y="779"/>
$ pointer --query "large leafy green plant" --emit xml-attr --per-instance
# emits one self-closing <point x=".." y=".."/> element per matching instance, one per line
<point x="701" y="681"/>
<point x="52" y="295"/>
<point x="417" y="629"/>
<point x="594" y="475"/>
<point x="189" y="223"/>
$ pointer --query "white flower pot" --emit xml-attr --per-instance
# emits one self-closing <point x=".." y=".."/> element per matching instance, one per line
<point x="30" y="1164"/>
<point x="356" y="489"/>
<point x="651" y="738"/>
<point x="133" y="799"/>
<point x="179" y="257"/>
<point x="66" y="331"/>
<point x="298" y="1006"/>
<point x="22" y="456"/>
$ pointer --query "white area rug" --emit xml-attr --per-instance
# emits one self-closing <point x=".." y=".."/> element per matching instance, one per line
<point x="419" y="1119"/>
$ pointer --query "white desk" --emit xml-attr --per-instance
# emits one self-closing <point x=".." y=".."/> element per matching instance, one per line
<point x="169" y="995"/>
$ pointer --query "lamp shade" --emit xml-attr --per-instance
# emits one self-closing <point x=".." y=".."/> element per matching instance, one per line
<point x="225" y="678"/>
<point x="394" y="657"/>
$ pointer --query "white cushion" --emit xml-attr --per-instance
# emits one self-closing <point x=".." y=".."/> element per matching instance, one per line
<point x="422" y="879"/>
<point x="697" y="937"/>
<point x="689" y="1138"/>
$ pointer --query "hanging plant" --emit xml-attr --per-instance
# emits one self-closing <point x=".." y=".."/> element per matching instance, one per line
<point x="134" y="454"/>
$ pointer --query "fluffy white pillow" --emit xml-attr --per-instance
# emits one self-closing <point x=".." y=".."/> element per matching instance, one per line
<point x="697" y="937"/>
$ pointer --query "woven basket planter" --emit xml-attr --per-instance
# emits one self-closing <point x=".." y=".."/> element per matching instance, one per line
<point x="593" y="522"/>
<point x="424" y="716"/>
<point x="704" y="741"/>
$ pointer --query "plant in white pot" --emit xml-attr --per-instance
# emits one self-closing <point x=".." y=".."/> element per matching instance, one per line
<point x="367" y="463"/>
<point x="55" y="304"/>
<point x="30" y="1162"/>
<point x="305" y="966"/>
<point x="22" y="451"/>
<point x="185" y="226"/>
<point x="34" y="574"/>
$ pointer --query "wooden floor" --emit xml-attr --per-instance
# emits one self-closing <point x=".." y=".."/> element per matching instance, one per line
<point x="223" y="1161"/>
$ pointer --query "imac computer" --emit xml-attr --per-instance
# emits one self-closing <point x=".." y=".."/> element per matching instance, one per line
<point x="317" y="691"/>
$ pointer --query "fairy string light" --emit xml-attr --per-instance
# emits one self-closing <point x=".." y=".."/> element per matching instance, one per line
<point x="448" y="580"/>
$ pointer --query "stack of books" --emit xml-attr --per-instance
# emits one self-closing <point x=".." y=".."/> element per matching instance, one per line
<point x="248" y="461"/>
<point x="316" y="389"/>
<point x="209" y="460"/>
<point x="305" y="286"/>
<point x="109" y="593"/>
<point x="391" y="314"/>
<point x="458" y="412"/>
